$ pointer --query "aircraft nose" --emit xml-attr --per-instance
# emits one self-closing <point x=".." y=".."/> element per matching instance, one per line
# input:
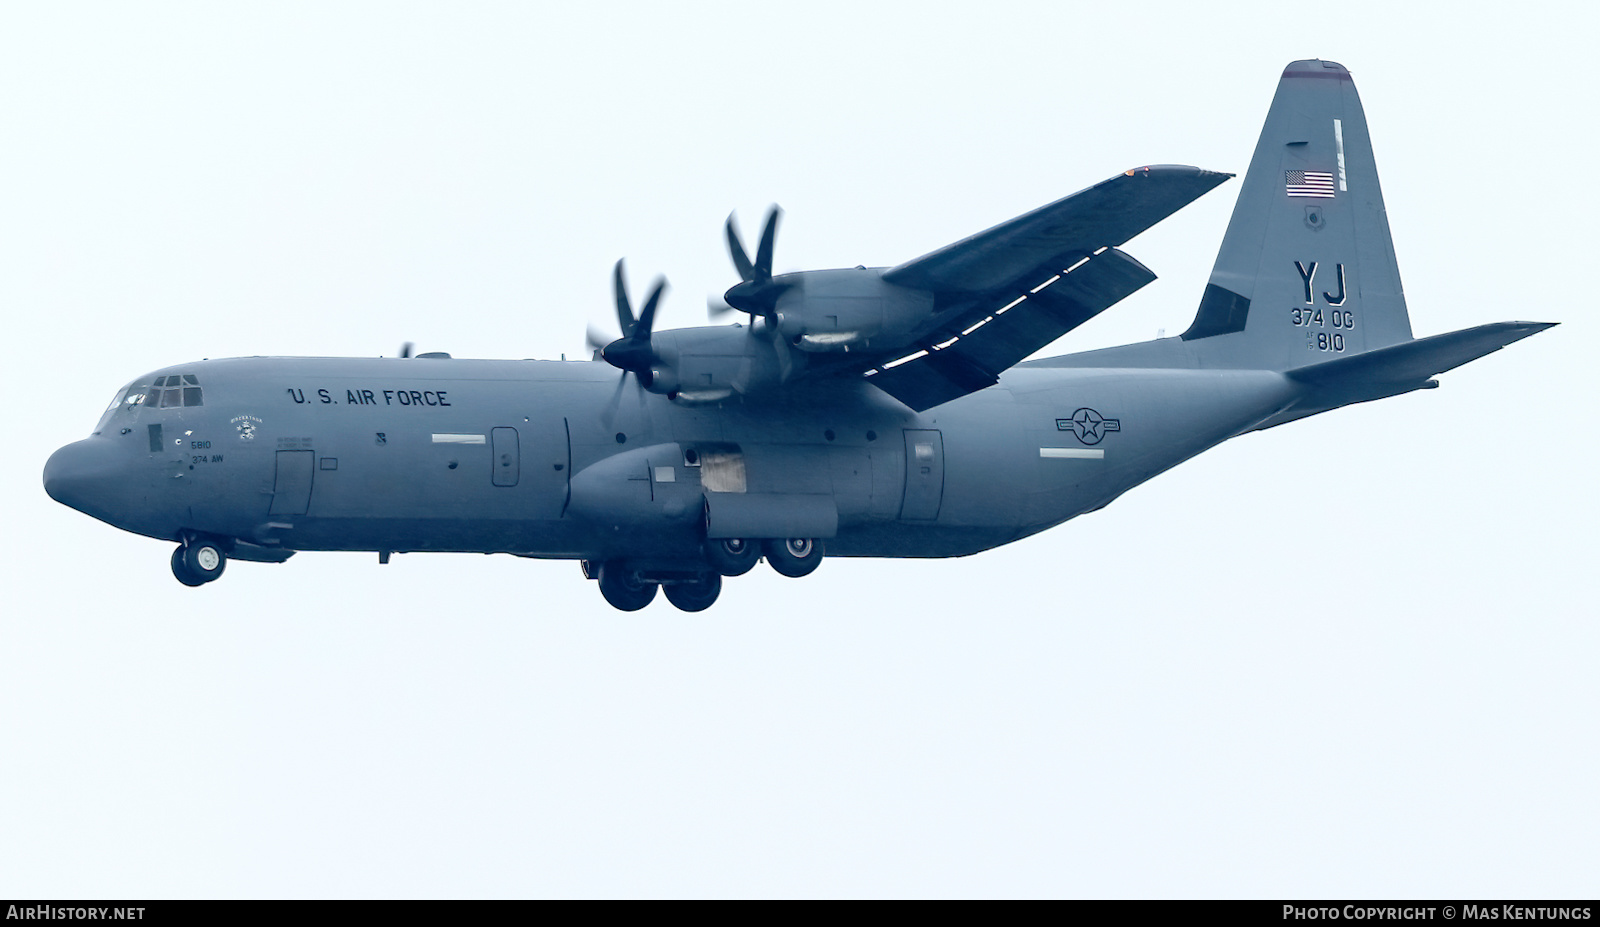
<point x="81" y="473"/>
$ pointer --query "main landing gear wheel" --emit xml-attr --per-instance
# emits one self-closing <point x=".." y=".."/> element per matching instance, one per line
<point x="622" y="589"/>
<point x="794" y="556"/>
<point x="198" y="563"/>
<point x="696" y="596"/>
<point x="732" y="556"/>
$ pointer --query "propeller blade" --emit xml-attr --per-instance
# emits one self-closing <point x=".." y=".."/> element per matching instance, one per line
<point x="638" y="392"/>
<point x="609" y="415"/>
<point x="741" y="261"/>
<point x="596" y="339"/>
<point x="717" y="307"/>
<point x="405" y="349"/>
<point x="763" y="268"/>
<point x="624" y="310"/>
<point x="780" y="344"/>
<point x="647" y="316"/>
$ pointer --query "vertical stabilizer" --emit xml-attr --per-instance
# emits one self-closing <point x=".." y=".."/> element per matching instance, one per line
<point x="1307" y="271"/>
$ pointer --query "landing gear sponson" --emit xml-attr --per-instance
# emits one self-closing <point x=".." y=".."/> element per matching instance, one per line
<point x="630" y="587"/>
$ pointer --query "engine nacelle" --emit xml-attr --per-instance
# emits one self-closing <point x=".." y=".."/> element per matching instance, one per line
<point x="845" y="310"/>
<point x="700" y="365"/>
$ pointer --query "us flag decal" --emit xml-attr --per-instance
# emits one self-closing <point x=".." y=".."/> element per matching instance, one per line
<point x="1308" y="183"/>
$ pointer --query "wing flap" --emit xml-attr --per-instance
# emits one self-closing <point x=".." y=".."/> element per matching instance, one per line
<point x="973" y="359"/>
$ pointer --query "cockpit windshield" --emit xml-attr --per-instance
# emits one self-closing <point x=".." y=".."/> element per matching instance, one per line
<point x="174" y="391"/>
<point x="170" y="392"/>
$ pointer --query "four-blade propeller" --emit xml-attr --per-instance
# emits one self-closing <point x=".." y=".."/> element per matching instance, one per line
<point x="755" y="293"/>
<point x="632" y="353"/>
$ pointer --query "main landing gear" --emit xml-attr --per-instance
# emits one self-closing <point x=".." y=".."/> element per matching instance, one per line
<point x="198" y="562"/>
<point x="794" y="556"/>
<point x="629" y="589"/>
<point x="733" y="556"/>
<point x="696" y="595"/>
<point x="624" y="588"/>
<point x="691" y="587"/>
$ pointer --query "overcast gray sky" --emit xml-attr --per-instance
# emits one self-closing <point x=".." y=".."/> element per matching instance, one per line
<point x="1354" y="656"/>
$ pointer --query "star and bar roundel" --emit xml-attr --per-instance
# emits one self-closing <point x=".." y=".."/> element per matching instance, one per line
<point x="1088" y="425"/>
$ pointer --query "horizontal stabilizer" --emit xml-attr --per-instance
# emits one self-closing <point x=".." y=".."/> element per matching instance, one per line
<point x="1394" y="370"/>
<point x="1416" y="361"/>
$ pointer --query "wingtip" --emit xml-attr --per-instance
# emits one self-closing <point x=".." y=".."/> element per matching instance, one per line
<point x="1177" y="170"/>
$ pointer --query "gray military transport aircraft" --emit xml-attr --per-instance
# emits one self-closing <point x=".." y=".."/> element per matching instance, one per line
<point x="865" y="412"/>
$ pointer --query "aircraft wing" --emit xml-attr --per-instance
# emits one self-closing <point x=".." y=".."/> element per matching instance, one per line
<point x="1009" y="291"/>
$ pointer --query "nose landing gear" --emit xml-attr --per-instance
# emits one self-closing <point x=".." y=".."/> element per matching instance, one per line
<point x="197" y="562"/>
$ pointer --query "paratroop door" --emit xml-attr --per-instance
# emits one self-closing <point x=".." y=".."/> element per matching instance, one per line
<point x="507" y="456"/>
<point x="924" y="475"/>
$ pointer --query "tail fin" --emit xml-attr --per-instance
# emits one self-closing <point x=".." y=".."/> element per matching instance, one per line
<point x="1307" y="271"/>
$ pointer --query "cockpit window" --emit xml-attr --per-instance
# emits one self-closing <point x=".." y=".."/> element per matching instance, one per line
<point x="175" y="391"/>
<point x="172" y="392"/>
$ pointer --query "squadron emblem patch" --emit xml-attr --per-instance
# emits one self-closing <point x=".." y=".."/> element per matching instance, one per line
<point x="245" y="425"/>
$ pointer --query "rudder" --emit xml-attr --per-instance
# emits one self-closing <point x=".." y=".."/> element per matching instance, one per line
<point x="1307" y="270"/>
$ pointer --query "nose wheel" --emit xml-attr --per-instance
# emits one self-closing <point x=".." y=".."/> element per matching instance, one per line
<point x="198" y="562"/>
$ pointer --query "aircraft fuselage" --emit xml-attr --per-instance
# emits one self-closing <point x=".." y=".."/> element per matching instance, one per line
<point x="564" y="460"/>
